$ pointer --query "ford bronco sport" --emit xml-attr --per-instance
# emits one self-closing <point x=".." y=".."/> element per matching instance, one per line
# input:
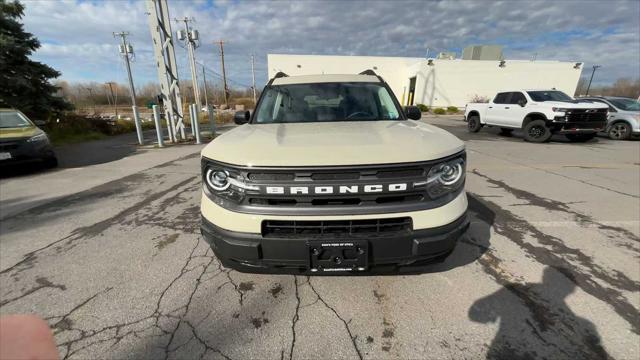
<point x="331" y="175"/>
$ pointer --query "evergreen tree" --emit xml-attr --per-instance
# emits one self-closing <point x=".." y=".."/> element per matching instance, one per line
<point x="24" y="83"/>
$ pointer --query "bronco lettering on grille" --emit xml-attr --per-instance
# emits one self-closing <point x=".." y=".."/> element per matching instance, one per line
<point x="335" y="189"/>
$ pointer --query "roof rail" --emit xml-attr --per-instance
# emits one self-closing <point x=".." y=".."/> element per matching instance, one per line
<point x="278" y="75"/>
<point x="368" y="72"/>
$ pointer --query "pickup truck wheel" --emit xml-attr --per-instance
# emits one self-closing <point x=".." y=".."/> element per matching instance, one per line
<point x="580" y="137"/>
<point x="537" y="131"/>
<point x="619" y="131"/>
<point x="473" y="124"/>
<point x="506" y="131"/>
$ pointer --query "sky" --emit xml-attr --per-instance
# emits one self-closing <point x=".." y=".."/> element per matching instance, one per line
<point x="77" y="38"/>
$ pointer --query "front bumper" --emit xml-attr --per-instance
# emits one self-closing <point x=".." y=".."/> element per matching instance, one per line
<point x="22" y="151"/>
<point x="560" y="126"/>
<point x="393" y="252"/>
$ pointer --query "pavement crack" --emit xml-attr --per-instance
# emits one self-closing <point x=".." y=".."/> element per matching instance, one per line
<point x="294" y="320"/>
<point x="344" y="322"/>
<point x="42" y="283"/>
<point x="65" y="322"/>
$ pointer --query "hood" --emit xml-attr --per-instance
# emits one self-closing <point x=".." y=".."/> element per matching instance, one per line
<point x="19" y="132"/>
<point x="574" y="104"/>
<point x="336" y="143"/>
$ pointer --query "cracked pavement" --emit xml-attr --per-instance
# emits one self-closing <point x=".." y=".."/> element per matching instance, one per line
<point x="549" y="269"/>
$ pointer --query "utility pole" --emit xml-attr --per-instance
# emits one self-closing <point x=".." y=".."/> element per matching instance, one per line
<point x="204" y="80"/>
<point x="93" y="101"/>
<point x="210" y="112"/>
<point x="595" y="67"/>
<point x="253" y="74"/>
<point x="224" y="75"/>
<point x="164" y="51"/>
<point x="190" y="37"/>
<point x="114" y="98"/>
<point x="126" y="49"/>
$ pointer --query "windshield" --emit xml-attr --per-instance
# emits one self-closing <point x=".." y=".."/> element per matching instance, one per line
<point x="326" y="102"/>
<point x="626" y="104"/>
<point x="549" y="96"/>
<point x="13" y="119"/>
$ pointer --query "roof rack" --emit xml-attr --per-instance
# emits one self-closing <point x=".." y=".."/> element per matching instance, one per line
<point x="368" y="72"/>
<point x="278" y="75"/>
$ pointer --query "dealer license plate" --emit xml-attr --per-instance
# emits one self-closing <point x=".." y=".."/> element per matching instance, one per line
<point x="338" y="256"/>
<point x="5" y="155"/>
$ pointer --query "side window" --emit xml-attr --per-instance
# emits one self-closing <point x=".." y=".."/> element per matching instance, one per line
<point x="516" y="97"/>
<point x="502" y="98"/>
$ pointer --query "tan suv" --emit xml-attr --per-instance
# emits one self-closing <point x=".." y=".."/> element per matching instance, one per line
<point x="331" y="175"/>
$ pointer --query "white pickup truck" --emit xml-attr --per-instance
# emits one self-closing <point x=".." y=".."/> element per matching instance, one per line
<point x="540" y="114"/>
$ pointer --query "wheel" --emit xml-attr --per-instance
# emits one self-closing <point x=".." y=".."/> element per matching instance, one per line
<point x="580" y="137"/>
<point x="537" y="131"/>
<point x="506" y="131"/>
<point x="473" y="124"/>
<point x="51" y="162"/>
<point x="619" y="131"/>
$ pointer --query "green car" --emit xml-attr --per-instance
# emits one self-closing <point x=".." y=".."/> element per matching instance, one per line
<point x="22" y="141"/>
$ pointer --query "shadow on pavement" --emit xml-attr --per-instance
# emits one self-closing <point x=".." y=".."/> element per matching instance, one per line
<point x="549" y="325"/>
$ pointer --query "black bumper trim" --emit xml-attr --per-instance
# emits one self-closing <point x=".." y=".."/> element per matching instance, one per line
<point x="249" y="252"/>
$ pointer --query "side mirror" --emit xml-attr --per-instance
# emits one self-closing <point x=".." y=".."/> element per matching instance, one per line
<point x="413" y="112"/>
<point x="40" y="122"/>
<point x="241" y="117"/>
<point x="522" y="103"/>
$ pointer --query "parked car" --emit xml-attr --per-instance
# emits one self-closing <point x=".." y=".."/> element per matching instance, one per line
<point x="22" y="141"/>
<point x="624" y="115"/>
<point x="540" y="114"/>
<point x="331" y="175"/>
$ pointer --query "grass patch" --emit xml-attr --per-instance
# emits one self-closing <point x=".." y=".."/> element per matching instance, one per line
<point x="58" y="137"/>
<point x="439" y="111"/>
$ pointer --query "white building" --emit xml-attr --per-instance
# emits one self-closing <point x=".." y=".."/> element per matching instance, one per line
<point x="439" y="82"/>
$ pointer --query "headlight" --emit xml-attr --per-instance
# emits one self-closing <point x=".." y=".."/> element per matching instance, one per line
<point x="217" y="179"/>
<point x="555" y="109"/>
<point x="224" y="183"/>
<point x="445" y="178"/>
<point x="39" y="137"/>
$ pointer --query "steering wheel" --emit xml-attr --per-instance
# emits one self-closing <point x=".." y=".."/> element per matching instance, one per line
<point x="359" y="113"/>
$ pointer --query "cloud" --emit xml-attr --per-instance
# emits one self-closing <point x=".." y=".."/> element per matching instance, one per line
<point x="77" y="35"/>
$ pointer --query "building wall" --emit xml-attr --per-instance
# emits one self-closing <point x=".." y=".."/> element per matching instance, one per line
<point x="446" y="82"/>
<point x="456" y="82"/>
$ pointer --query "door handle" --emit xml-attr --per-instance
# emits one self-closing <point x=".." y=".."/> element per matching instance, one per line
<point x="506" y="107"/>
<point x="490" y="107"/>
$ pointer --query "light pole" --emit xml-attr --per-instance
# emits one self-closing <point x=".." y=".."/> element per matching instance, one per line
<point x="591" y="79"/>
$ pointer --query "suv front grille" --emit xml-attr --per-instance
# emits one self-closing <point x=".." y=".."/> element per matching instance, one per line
<point x="335" y="228"/>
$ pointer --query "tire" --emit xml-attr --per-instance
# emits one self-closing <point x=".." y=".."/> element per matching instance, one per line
<point x="537" y="131"/>
<point x="473" y="124"/>
<point x="506" y="131"/>
<point x="51" y="162"/>
<point x="580" y="137"/>
<point x="619" y="131"/>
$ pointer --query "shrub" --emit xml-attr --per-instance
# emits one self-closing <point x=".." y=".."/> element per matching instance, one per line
<point x="439" y="111"/>
<point x="452" y="109"/>
<point x="479" y="99"/>
<point x="423" y="107"/>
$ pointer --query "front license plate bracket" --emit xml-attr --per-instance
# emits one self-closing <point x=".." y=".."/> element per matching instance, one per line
<point x="338" y="256"/>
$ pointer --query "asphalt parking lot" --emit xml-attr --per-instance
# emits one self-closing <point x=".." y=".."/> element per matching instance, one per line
<point x="549" y="269"/>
